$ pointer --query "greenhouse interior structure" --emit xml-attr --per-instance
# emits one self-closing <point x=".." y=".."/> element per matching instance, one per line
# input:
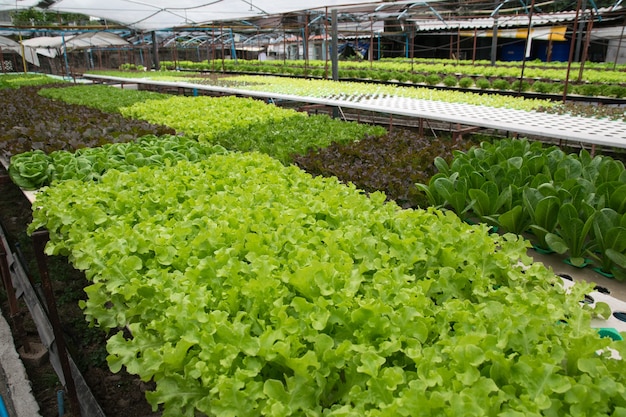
<point x="329" y="208"/>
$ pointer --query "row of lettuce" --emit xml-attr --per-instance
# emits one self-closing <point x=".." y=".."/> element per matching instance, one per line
<point x="540" y="79"/>
<point x="202" y="123"/>
<point x="573" y="204"/>
<point x="253" y="289"/>
<point x="247" y="287"/>
<point x="332" y="89"/>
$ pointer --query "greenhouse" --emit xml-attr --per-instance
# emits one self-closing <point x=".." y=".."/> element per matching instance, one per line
<point x="312" y="208"/>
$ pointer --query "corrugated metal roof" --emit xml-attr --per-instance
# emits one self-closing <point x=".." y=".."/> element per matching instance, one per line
<point x="538" y="19"/>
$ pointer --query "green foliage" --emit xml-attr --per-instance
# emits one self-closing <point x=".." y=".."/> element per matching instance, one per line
<point x="328" y="88"/>
<point x="518" y="85"/>
<point x="250" y="125"/>
<point x="450" y="81"/>
<point x="574" y="228"/>
<point x="543" y="211"/>
<point x="500" y="84"/>
<point x="606" y="79"/>
<point x="36" y="17"/>
<point x="102" y="97"/>
<point x="466" y="82"/>
<point x="252" y="289"/>
<point x="22" y="80"/>
<point x="542" y="87"/>
<point x="522" y="186"/>
<point x="418" y="78"/>
<point x="617" y="91"/>
<point x="32" y="170"/>
<point x="483" y="83"/>
<point x="609" y="230"/>
<point x="132" y="67"/>
<point x="433" y="79"/>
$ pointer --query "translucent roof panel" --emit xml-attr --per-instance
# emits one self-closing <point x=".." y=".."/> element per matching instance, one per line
<point x="162" y="14"/>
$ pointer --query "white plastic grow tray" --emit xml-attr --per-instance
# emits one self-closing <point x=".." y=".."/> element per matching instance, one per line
<point x="616" y="299"/>
<point x="555" y="126"/>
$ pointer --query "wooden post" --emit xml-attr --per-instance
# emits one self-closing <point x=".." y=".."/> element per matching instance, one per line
<point x="527" y="46"/>
<point x="40" y="238"/>
<point x="586" y="47"/>
<point x="11" y="298"/>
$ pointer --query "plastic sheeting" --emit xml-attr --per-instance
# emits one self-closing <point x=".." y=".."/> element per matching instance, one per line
<point x="7" y="44"/>
<point x="51" y="46"/>
<point x="163" y="14"/>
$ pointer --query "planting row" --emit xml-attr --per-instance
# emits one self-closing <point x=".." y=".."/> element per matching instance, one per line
<point x="249" y="288"/>
<point x="329" y="89"/>
<point x="29" y="121"/>
<point x="34" y="169"/>
<point x="235" y="123"/>
<point x="22" y="80"/>
<point x="393" y="162"/>
<point x="573" y="204"/>
<point x="506" y="78"/>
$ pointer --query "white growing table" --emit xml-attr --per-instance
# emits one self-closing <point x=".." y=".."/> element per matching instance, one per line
<point x="585" y="130"/>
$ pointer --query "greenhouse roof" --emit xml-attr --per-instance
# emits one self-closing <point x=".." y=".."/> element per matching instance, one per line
<point x="435" y="15"/>
<point x="85" y="40"/>
<point x="162" y="14"/>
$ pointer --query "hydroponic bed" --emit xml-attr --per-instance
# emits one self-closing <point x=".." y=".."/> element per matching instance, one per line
<point x="307" y="296"/>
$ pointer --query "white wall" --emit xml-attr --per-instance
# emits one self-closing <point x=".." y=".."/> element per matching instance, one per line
<point x="612" y="50"/>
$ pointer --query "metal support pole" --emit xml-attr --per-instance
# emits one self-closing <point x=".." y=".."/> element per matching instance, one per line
<point x="494" y="40"/>
<point x="571" y="52"/>
<point x="334" y="45"/>
<point x="22" y="49"/>
<point x="222" y="43"/>
<point x="579" y="34"/>
<point x="527" y="46"/>
<point x="40" y="238"/>
<point x="371" y="51"/>
<point x="67" y="64"/>
<point x="155" y="51"/>
<point x="619" y="45"/>
<point x="326" y="43"/>
<point x="233" y="50"/>
<point x="458" y="43"/>
<point x="583" y="58"/>
<point x="306" y="43"/>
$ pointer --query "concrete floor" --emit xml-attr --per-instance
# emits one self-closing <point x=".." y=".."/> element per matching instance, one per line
<point x="17" y="396"/>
